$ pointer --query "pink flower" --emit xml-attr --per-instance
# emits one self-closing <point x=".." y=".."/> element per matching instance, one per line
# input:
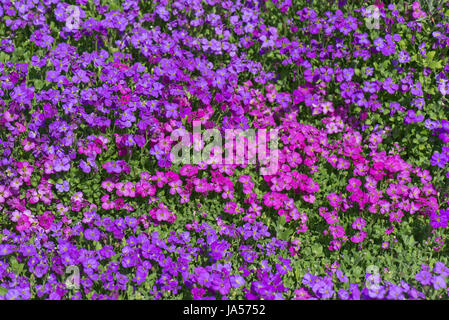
<point x="359" y="237"/>
<point x="310" y="198"/>
<point x="353" y="185"/>
<point x="396" y="216"/>
<point x="312" y="187"/>
<point x="61" y="209"/>
<point x="330" y="217"/>
<point x="119" y="203"/>
<point x="185" y="197"/>
<point x="370" y="183"/>
<point x="334" y="245"/>
<point x="32" y="196"/>
<point x="28" y="145"/>
<point x="130" y="190"/>
<point x="417" y="12"/>
<point x="23" y="223"/>
<point x="25" y="169"/>
<point x="145" y="188"/>
<point x="275" y="184"/>
<point x="230" y="207"/>
<point x="302" y="294"/>
<point x="359" y="224"/>
<point x="245" y="179"/>
<point x="201" y="185"/>
<point x="106" y="204"/>
<point x="108" y="185"/>
<point x="77" y="197"/>
<point x="337" y="231"/>
<point x="46" y="220"/>
<point x="162" y="213"/>
<point x="188" y="170"/>
<point x="120" y="189"/>
<point x="302" y="228"/>
<point x="160" y="179"/>
<point x="4" y="193"/>
<point x="176" y="186"/>
<point x="228" y="192"/>
<point x="48" y="167"/>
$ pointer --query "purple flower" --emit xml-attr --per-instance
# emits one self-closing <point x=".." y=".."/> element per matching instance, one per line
<point x="438" y="159"/>
<point x="424" y="277"/>
<point x="429" y="124"/>
<point x="404" y="57"/>
<point x="202" y="276"/>
<point x="343" y="294"/>
<point x="309" y="279"/>
<point x="389" y="48"/>
<point x="438" y="282"/>
<point x="443" y="86"/>
<point x="441" y="269"/>
<point x="6" y="249"/>
<point x="13" y="294"/>
<point x="84" y="166"/>
<point x="40" y="270"/>
<point x="63" y="187"/>
<point x="157" y="152"/>
<point x="415" y="294"/>
<point x="22" y="94"/>
<point x="354" y="291"/>
<point x="323" y="289"/>
<point x="416" y="89"/>
<point x="92" y="234"/>
<point x="342" y="277"/>
<point x="439" y="220"/>
<point x="369" y="71"/>
<point x="390" y="86"/>
<point x="128" y="261"/>
<point x="91" y="264"/>
<point x="348" y="73"/>
<point x="112" y="167"/>
<point x="419" y="103"/>
<point x="62" y="164"/>
<point x="218" y="249"/>
<point x="376" y="292"/>
<point x="395" y="293"/>
<point x="237" y="281"/>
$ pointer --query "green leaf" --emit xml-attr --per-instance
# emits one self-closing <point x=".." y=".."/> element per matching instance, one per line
<point x="281" y="221"/>
<point x="16" y="267"/>
<point x="284" y="235"/>
<point x="435" y="65"/>
<point x="130" y="292"/>
<point x="3" y="291"/>
<point x="38" y="84"/>
<point x="317" y="250"/>
<point x="4" y="57"/>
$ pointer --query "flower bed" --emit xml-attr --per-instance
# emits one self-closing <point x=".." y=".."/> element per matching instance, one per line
<point x="336" y="188"/>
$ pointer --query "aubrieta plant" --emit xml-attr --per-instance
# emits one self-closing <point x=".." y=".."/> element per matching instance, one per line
<point x="94" y="205"/>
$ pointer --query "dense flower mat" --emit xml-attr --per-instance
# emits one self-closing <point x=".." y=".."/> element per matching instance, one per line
<point x="92" y="91"/>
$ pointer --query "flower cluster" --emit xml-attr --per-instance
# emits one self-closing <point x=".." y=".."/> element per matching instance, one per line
<point x="89" y="181"/>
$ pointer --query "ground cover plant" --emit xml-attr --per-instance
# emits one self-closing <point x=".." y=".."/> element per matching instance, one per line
<point x="95" y="204"/>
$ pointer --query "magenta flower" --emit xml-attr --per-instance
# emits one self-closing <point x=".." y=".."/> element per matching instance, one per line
<point x="359" y="224"/>
<point x="440" y="220"/>
<point x="108" y="185"/>
<point x="46" y="220"/>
